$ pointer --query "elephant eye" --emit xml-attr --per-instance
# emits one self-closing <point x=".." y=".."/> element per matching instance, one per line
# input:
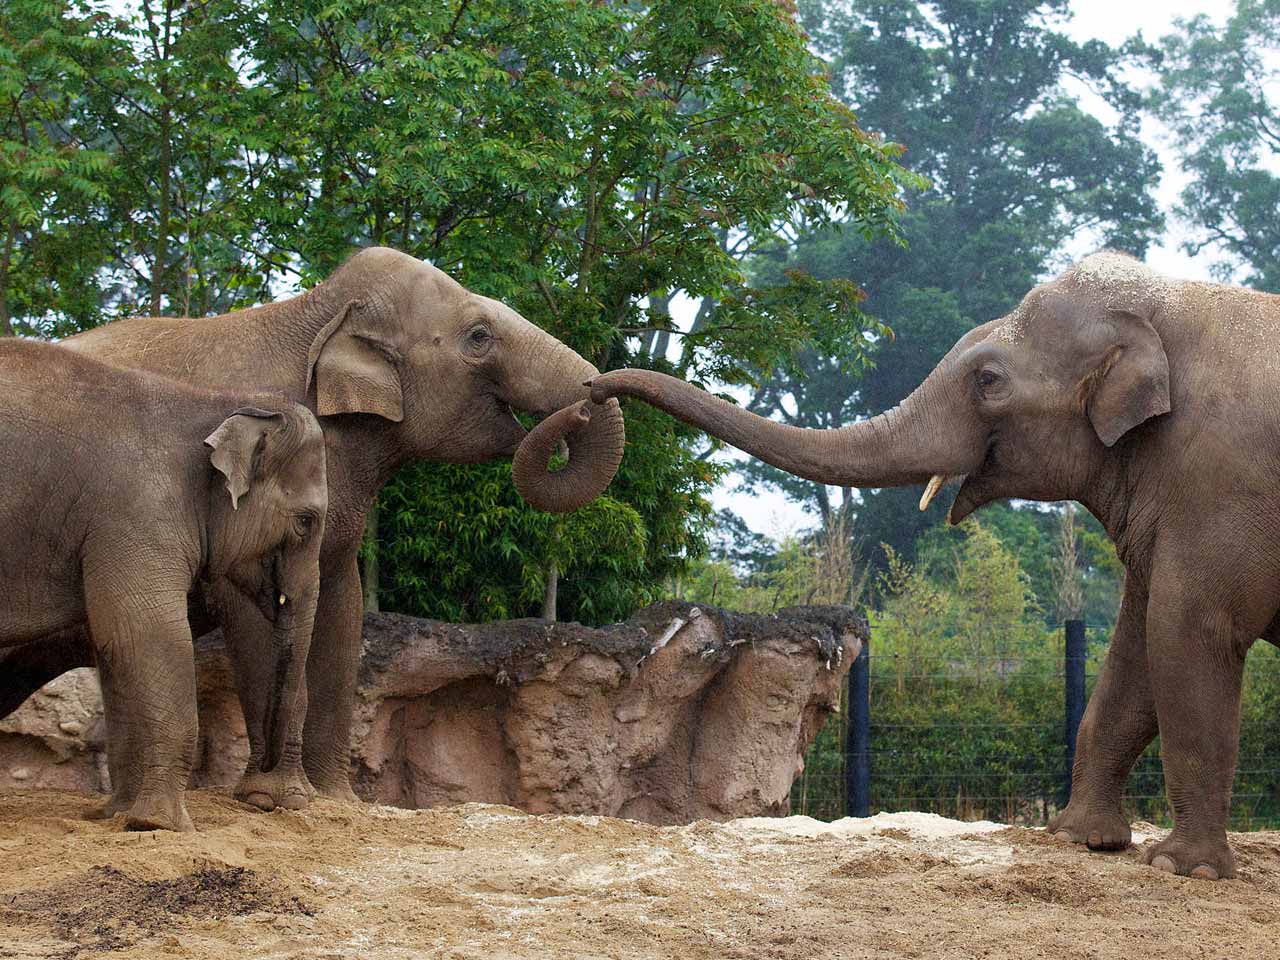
<point x="988" y="378"/>
<point x="303" y="524"/>
<point x="479" y="340"/>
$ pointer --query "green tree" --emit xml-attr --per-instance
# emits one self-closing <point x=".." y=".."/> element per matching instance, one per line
<point x="1217" y="93"/>
<point x="1016" y="168"/>
<point x="581" y="161"/>
<point x="54" y="175"/>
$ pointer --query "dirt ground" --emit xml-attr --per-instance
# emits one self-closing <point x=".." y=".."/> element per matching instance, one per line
<point x="489" y="882"/>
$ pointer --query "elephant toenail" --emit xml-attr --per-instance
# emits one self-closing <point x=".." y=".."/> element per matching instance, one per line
<point x="1162" y="862"/>
<point x="1204" y="872"/>
<point x="1063" y="835"/>
<point x="1095" y="839"/>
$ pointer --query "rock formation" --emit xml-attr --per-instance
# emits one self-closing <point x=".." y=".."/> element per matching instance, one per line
<point x="679" y="714"/>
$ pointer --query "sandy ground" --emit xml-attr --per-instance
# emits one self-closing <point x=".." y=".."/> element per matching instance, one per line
<point x="489" y="882"/>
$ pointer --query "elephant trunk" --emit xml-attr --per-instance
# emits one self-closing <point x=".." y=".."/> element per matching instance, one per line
<point x="554" y="380"/>
<point x="290" y="641"/>
<point x="907" y="445"/>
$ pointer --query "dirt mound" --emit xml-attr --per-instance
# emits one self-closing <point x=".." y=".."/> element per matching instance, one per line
<point x="476" y="881"/>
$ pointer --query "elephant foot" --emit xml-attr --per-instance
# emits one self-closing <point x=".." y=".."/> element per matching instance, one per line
<point x="159" y="812"/>
<point x="285" y="788"/>
<point x="1097" y="829"/>
<point x="337" y="790"/>
<point x="105" y="811"/>
<point x="1203" y="859"/>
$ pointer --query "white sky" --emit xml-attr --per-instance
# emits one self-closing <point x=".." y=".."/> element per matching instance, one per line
<point x="1112" y="21"/>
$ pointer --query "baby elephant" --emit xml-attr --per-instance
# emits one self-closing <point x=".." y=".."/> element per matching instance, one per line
<point x="120" y="493"/>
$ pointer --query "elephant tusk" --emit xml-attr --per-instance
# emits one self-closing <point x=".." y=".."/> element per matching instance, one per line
<point x="931" y="491"/>
<point x="283" y="599"/>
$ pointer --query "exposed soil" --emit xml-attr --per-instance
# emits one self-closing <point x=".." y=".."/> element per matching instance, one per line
<point x="344" y="881"/>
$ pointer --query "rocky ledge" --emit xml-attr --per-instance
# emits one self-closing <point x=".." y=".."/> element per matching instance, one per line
<point x="681" y="713"/>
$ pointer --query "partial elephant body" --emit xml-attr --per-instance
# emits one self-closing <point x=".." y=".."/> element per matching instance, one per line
<point x="121" y="492"/>
<point x="1155" y="403"/>
<point x="401" y="363"/>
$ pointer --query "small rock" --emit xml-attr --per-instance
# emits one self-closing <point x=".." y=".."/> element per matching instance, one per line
<point x="72" y="728"/>
<point x="20" y="773"/>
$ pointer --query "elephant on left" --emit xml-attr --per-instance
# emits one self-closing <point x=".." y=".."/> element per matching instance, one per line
<point x="120" y="494"/>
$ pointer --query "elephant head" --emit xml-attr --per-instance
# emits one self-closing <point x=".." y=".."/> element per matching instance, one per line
<point x="444" y="368"/>
<point x="1026" y="406"/>
<point x="266" y="526"/>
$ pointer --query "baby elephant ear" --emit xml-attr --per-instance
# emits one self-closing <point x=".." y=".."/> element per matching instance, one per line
<point x="237" y="445"/>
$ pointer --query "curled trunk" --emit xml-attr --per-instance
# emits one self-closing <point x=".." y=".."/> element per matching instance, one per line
<point x="552" y="381"/>
<point x="594" y="455"/>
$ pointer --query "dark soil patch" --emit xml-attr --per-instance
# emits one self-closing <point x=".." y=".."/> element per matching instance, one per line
<point x="106" y="909"/>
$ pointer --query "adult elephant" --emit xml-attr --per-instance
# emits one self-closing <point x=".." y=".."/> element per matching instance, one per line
<point x="401" y="363"/>
<point x="1156" y="404"/>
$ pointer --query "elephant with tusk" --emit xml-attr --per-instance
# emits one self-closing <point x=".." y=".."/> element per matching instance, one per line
<point x="1154" y="402"/>
<point x="400" y="363"/>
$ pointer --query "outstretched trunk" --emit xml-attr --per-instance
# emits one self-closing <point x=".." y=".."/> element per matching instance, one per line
<point x="917" y="440"/>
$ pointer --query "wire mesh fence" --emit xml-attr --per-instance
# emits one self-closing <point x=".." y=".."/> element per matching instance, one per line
<point x="985" y="737"/>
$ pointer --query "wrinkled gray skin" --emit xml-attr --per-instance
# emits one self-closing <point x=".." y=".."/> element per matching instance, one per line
<point x="401" y="363"/>
<point x="122" y="493"/>
<point x="1156" y="404"/>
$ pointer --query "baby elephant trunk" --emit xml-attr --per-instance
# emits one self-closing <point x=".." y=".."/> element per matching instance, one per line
<point x="290" y="641"/>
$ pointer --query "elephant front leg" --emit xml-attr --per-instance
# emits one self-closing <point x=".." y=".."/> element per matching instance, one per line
<point x="1118" y="724"/>
<point x="124" y="748"/>
<point x="332" y="668"/>
<point x="1195" y="650"/>
<point x="145" y="645"/>
<point x="248" y="636"/>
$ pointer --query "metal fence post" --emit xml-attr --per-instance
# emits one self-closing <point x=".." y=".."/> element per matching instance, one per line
<point x="1076" y="651"/>
<point x="857" y="758"/>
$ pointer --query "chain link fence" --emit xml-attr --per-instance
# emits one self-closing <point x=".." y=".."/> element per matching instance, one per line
<point x="987" y="737"/>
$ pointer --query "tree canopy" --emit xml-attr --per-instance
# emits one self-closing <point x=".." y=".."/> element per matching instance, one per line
<point x="1016" y="169"/>
<point x="580" y="161"/>
<point x="1217" y="93"/>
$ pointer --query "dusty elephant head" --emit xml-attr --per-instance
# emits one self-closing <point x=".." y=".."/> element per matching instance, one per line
<point x="266" y="525"/>
<point x="1024" y="406"/>
<point x="444" y="368"/>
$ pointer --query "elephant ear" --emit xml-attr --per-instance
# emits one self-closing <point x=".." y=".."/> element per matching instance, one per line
<point x="1131" y="384"/>
<point x="354" y="369"/>
<point x="237" y="447"/>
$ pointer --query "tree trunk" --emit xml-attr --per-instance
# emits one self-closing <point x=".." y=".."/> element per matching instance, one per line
<point x="6" y="329"/>
<point x="369" y="555"/>
<point x="166" y="163"/>
<point x="162" y="224"/>
<point x="549" y="592"/>
<point x="1070" y="599"/>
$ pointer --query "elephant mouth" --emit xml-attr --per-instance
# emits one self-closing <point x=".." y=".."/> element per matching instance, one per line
<point x="513" y="428"/>
<point x="973" y="492"/>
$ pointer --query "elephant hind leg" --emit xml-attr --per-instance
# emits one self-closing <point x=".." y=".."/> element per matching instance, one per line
<point x="144" y="642"/>
<point x="1118" y="724"/>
